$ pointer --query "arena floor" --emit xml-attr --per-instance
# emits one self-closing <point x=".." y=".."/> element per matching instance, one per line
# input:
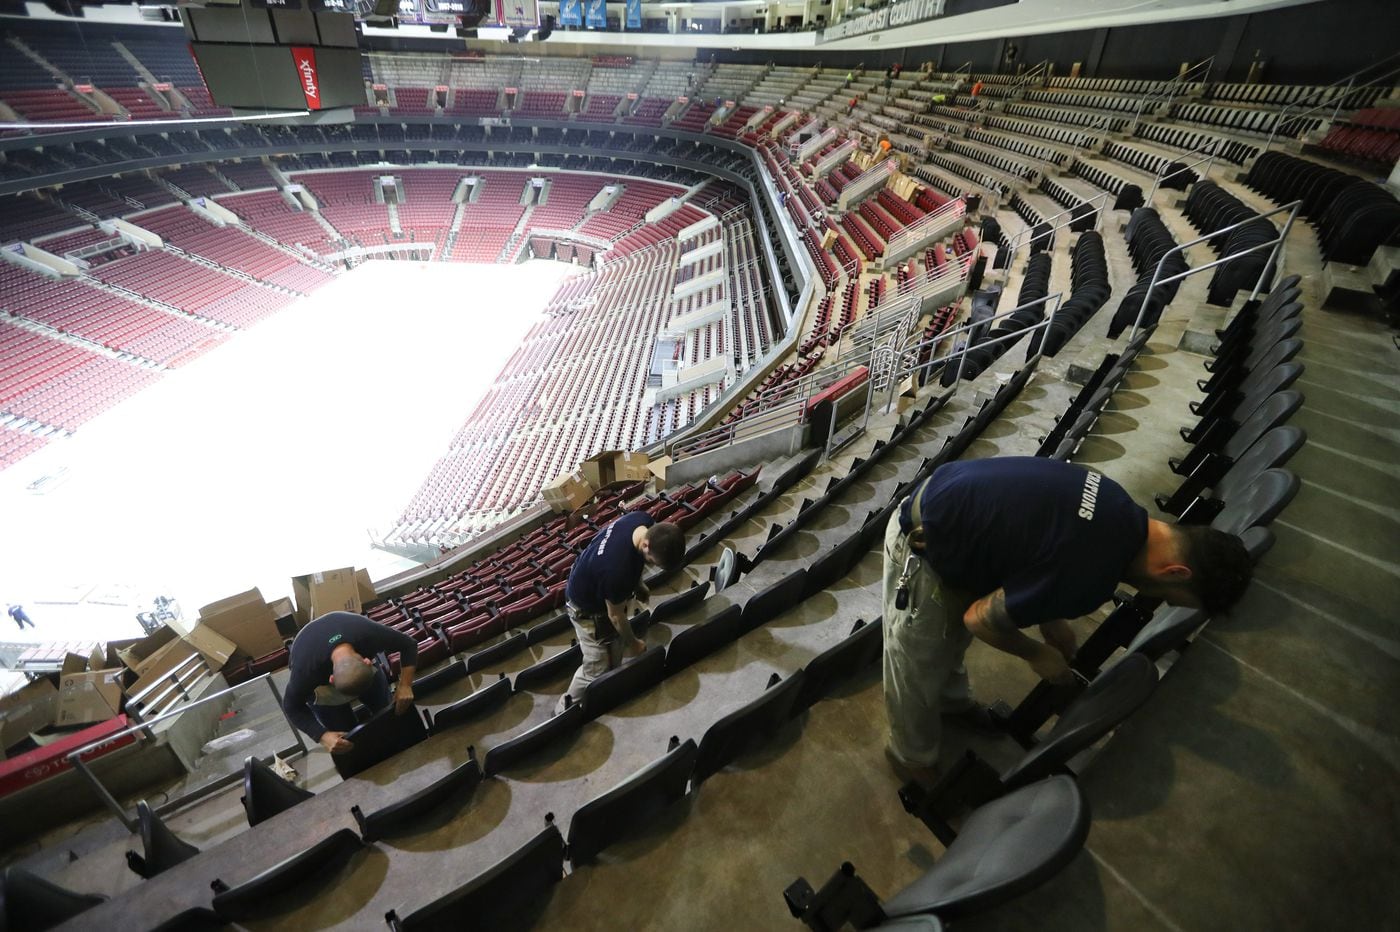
<point x="275" y="455"/>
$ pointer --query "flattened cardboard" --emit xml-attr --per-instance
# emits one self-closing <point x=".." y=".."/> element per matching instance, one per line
<point x="73" y="663"/>
<point x="246" y="620"/>
<point x="29" y="708"/>
<point x="89" y="697"/>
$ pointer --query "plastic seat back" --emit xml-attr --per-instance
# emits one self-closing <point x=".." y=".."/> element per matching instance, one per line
<point x="265" y="794"/>
<point x="1114" y="695"/>
<point x="162" y="848"/>
<point x="628" y="806"/>
<point x="1008" y="847"/>
<point x="738" y="731"/>
<point x="28" y="901"/>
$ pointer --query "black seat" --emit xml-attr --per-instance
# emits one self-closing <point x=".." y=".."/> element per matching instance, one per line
<point x="701" y="640"/>
<point x="265" y="794"/>
<point x="509" y="753"/>
<point x="504" y="898"/>
<point x="1169" y="629"/>
<point x="480" y="703"/>
<point x="741" y="729"/>
<point x="633" y="678"/>
<point x="1259" y="503"/>
<point x="384" y="735"/>
<point x="427" y="685"/>
<point x="1006" y="848"/>
<point x="679" y="604"/>
<point x="547" y="629"/>
<point x="764" y="606"/>
<point x="458" y="785"/>
<point x="1204" y="466"/>
<point x="497" y="652"/>
<point x="1227" y="418"/>
<point x="1273" y="450"/>
<point x="839" y="662"/>
<point x="29" y="902"/>
<point x="832" y="565"/>
<point x="550" y="668"/>
<point x="631" y="804"/>
<point x="195" y="919"/>
<point x="163" y="848"/>
<point x="1113" y="695"/>
<point x="327" y="855"/>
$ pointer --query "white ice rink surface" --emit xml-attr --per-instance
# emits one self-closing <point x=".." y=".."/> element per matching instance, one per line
<point x="270" y="457"/>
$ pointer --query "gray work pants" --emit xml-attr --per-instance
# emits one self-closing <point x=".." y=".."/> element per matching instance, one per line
<point x="924" y="648"/>
<point x="598" y="656"/>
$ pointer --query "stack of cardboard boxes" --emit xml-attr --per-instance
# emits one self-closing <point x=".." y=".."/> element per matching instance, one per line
<point x="571" y="490"/>
<point x="232" y="630"/>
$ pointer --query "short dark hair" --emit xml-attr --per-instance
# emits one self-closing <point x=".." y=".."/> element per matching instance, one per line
<point x="667" y="543"/>
<point x="1220" y="566"/>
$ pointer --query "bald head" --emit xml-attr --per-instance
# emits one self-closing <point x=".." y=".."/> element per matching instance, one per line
<point x="351" y="674"/>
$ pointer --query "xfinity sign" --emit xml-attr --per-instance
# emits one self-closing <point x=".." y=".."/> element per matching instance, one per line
<point x="305" y="59"/>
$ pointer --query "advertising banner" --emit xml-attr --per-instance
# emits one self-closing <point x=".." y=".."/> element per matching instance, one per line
<point x="571" y="12"/>
<point x="634" y="14"/>
<point x="304" y="60"/>
<point x="597" y="14"/>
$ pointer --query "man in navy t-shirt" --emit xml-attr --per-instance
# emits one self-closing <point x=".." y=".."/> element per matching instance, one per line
<point x="330" y="666"/>
<point x="605" y="578"/>
<point x="992" y="547"/>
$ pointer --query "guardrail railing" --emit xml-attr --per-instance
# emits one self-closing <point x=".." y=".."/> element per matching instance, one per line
<point x="1198" y="73"/>
<point x="75" y="758"/>
<point x="1272" y="245"/>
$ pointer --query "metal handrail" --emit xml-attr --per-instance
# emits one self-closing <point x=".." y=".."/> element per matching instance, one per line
<point x="954" y="207"/>
<point x="1099" y="123"/>
<point x="1292" y="209"/>
<point x="1058" y="298"/>
<point x="1041" y="70"/>
<point x="1212" y="144"/>
<point x="1028" y="234"/>
<point x="785" y="412"/>
<point x="74" y="758"/>
<point x="922" y="287"/>
<point x="1351" y="85"/>
<point x="1169" y="91"/>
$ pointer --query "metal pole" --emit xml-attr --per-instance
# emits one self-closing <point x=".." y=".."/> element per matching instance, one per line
<point x="1273" y="253"/>
<point x="107" y="798"/>
<point x="277" y="697"/>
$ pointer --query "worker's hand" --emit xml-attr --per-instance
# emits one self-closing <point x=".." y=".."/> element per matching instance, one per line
<point x="334" y="741"/>
<point x="403" y="697"/>
<point x="1059" y="635"/>
<point x="642" y="593"/>
<point x="635" y="649"/>
<point x="1050" y="665"/>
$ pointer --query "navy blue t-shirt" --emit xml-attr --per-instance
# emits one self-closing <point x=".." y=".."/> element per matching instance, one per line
<point x="1056" y="537"/>
<point x="609" y="568"/>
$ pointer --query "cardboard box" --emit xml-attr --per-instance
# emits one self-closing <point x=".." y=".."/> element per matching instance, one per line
<point x="73" y="663"/>
<point x="612" y="466"/>
<point x="139" y="651"/>
<point x="213" y="646"/>
<point x="246" y="620"/>
<point x="89" y="697"/>
<point x="658" y="467"/>
<point x="27" y="709"/>
<point x="567" y="492"/>
<point x="365" y="587"/>
<point x="327" y="591"/>
<point x="170" y="657"/>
